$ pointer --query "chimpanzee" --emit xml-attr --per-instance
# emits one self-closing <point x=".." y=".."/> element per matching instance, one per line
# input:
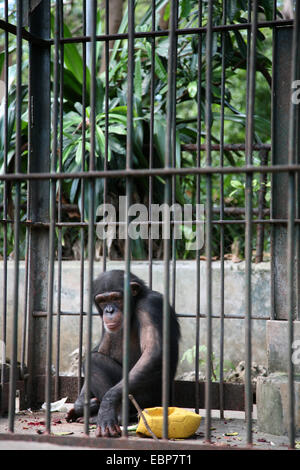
<point x="145" y="376"/>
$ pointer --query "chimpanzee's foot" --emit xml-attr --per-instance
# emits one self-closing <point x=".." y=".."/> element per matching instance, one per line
<point x="113" y="430"/>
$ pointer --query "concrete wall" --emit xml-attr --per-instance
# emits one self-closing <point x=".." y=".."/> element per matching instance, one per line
<point x="185" y="303"/>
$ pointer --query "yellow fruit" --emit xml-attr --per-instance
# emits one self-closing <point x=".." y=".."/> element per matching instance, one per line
<point x="182" y="423"/>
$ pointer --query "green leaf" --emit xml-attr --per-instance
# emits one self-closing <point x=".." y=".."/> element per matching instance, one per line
<point x="138" y="77"/>
<point x="241" y="43"/>
<point x="186" y="6"/>
<point x="192" y="89"/>
<point x="117" y="130"/>
<point x="159" y="67"/>
<point x="167" y="12"/>
<point x="236" y="184"/>
<point x="101" y="141"/>
<point x="78" y="156"/>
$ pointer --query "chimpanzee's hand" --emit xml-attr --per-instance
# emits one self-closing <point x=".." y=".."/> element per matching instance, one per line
<point x="71" y="416"/>
<point x="107" y="421"/>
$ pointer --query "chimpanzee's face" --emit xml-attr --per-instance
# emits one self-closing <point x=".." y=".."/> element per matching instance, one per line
<point x="110" y="306"/>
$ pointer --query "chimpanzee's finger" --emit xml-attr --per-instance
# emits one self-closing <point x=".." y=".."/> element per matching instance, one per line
<point x="114" y="430"/>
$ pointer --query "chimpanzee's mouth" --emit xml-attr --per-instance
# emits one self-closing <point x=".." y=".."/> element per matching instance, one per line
<point x="113" y="326"/>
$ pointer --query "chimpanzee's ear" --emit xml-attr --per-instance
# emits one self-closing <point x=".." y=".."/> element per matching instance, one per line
<point x="135" y="288"/>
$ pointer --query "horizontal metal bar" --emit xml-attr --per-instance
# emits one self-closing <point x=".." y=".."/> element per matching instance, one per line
<point x="137" y="173"/>
<point x="179" y="315"/>
<point x="228" y="147"/>
<point x="159" y="33"/>
<point x="106" y="443"/>
<point x="178" y="32"/>
<point x="172" y="222"/>
<point x="230" y="317"/>
<point x="11" y="28"/>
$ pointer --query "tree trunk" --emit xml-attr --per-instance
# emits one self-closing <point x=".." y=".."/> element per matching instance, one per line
<point x="115" y="18"/>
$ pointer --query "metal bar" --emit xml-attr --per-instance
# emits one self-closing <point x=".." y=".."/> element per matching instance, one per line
<point x="222" y="238"/>
<point x="129" y="157"/>
<point x="5" y="153"/>
<point x="180" y="315"/>
<point x="171" y="122"/>
<point x="59" y="205"/>
<point x="151" y="143"/>
<point x="173" y="181"/>
<point x="82" y="194"/>
<point x="91" y="249"/>
<point x="14" y="340"/>
<point x="52" y="215"/>
<point x="281" y="96"/>
<point x="137" y="172"/>
<point x="228" y="147"/>
<point x="291" y="230"/>
<point x="198" y="163"/>
<point x="248" y="228"/>
<point x="178" y="32"/>
<point x="27" y="246"/>
<point x="172" y="222"/>
<point x="31" y="38"/>
<point x="208" y="241"/>
<point x="40" y="123"/>
<point x="106" y="119"/>
<point x="116" y="444"/>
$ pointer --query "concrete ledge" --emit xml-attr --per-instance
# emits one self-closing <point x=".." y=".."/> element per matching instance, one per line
<point x="277" y="345"/>
<point x="272" y="403"/>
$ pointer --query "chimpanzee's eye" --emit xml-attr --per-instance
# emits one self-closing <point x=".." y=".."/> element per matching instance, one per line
<point x="102" y="305"/>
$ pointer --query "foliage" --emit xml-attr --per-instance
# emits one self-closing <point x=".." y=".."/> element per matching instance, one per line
<point x="190" y="356"/>
<point x="188" y="92"/>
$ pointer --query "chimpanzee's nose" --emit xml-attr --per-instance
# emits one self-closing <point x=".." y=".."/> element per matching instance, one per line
<point x="109" y="309"/>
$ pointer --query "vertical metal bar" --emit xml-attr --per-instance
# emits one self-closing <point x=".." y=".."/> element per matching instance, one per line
<point x="223" y="81"/>
<point x="13" y="371"/>
<point x="27" y="245"/>
<point x="129" y="152"/>
<point x="40" y="124"/>
<point x="27" y="255"/>
<point x="52" y="214"/>
<point x="152" y="91"/>
<point x="291" y="230"/>
<point x="59" y="208"/>
<point x="5" y="152"/>
<point x="106" y="118"/>
<point x="91" y="249"/>
<point x="173" y="184"/>
<point x="208" y="117"/>
<point x="82" y="195"/>
<point x="171" y="123"/>
<point x="198" y="163"/>
<point x="281" y="96"/>
<point x="248" y="214"/>
<point x="273" y="131"/>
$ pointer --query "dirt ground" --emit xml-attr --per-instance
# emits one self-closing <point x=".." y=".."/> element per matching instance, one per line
<point x="230" y="431"/>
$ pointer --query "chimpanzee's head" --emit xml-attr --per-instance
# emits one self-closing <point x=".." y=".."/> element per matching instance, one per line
<point x="109" y="294"/>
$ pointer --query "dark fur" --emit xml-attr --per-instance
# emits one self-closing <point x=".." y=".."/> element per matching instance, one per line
<point x="106" y="366"/>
